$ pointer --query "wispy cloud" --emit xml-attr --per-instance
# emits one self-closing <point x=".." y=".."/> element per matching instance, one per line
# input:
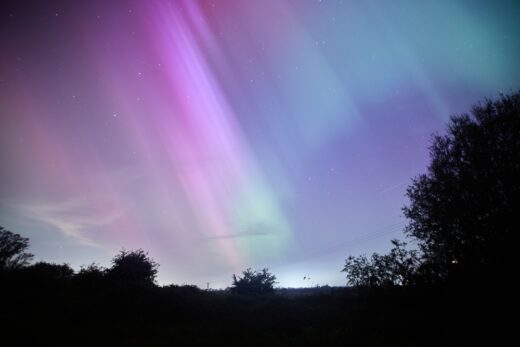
<point x="73" y="218"/>
<point x="253" y="231"/>
<point x="237" y="235"/>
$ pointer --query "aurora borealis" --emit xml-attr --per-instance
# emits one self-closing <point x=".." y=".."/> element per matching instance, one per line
<point x="221" y="135"/>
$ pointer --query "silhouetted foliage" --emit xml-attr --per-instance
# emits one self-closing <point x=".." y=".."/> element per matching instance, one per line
<point x="185" y="289"/>
<point x="43" y="271"/>
<point x="254" y="282"/>
<point x="89" y="306"/>
<point x="133" y="267"/>
<point x="462" y="211"/>
<point x="12" y="250"/>
<point x="90" y="275"/>
<point x="395" y="268"/>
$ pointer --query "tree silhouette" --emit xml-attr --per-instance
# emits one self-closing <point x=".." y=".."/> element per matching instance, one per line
<point x="254" y="282"/>
<point x="12" y="250"/>
<point x="133" y="267"/>
<point x="462" y="211"/>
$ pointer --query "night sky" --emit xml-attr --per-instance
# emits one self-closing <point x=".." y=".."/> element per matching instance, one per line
<point x="221" y="135"/>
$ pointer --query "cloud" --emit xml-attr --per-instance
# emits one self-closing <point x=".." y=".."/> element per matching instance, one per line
<point x="73" y="218"/>
<point x="253" y="231"/>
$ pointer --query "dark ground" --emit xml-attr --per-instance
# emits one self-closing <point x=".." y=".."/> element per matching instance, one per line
<point x="68" y="313"/>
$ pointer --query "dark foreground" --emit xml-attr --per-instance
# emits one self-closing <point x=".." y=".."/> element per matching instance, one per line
<point x="70" y="314"/>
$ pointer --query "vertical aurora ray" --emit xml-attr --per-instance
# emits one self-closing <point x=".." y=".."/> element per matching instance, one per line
<point x="214" y="166"/>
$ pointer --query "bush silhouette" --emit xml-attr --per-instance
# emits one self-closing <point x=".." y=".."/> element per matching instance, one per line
<point x="90" y="276"/>
<point x="48" y="273"/>
<point x="254" y="282"/>
<point x="133" y="267"/>
<point x="12" y="250"/>
<point x="399" y="267"/>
